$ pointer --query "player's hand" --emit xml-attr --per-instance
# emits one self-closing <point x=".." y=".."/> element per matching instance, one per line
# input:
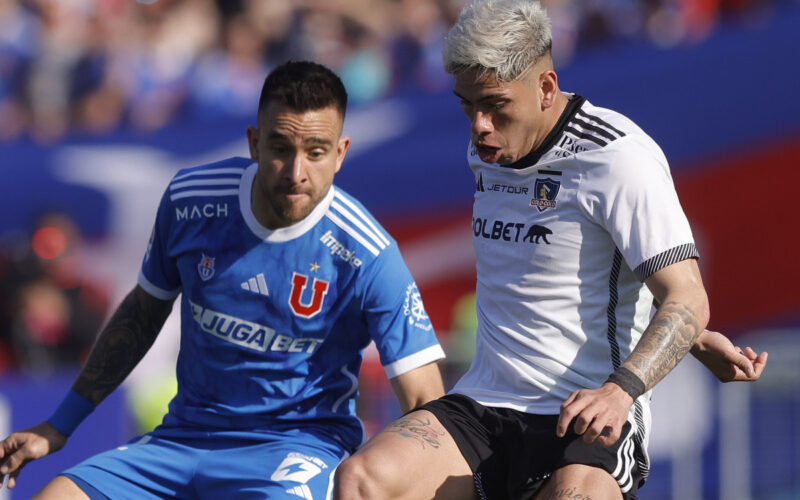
<point x="21" y="447"/>
<point x="599" y="414"/>
<point x="726" y="361"/>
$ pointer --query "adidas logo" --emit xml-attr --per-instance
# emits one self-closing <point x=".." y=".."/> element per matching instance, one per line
<point x="302" y="491"/>
<point x="256" y="284"/>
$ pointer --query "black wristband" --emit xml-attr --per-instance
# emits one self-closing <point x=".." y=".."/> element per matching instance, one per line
<point x="627" y="381"/>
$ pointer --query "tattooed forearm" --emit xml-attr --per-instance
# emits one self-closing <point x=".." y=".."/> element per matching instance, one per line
<point x="664" y="343"/>
<point x="122" y="344"/>
<point x="418" y="429"/>
<point x="570" y="493"/>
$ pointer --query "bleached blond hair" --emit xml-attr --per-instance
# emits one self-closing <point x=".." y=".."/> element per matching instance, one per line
<point x="505" y="37"/>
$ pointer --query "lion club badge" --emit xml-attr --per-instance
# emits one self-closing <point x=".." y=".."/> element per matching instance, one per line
<point x="545" y="191"/>
<point x="206" y="267"/>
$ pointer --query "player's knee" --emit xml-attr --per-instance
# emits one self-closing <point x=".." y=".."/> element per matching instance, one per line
<point x="581" y="481"/>
<point x="356" y="479"/>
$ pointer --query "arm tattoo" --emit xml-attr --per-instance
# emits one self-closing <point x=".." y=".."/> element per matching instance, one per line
<point x="417" y="429"/>
<point x="569" y="493"/>
<point x="664" y="343"/>
<point x="121" y="344"/>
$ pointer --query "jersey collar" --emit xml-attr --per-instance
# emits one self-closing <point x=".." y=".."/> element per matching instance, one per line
<point x="284" y="233"/>
<point x="534" y="156"/>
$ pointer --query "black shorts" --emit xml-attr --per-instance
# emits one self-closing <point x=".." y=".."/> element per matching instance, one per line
<point x="512" y="453"/>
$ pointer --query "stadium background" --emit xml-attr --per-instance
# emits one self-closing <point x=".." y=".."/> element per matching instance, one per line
<point x="101" y="101"/>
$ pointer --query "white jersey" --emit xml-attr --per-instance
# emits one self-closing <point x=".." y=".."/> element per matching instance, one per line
<point x="564" y="239"/>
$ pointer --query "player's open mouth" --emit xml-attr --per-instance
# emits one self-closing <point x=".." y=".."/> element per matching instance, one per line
<point x="488" y="154"/>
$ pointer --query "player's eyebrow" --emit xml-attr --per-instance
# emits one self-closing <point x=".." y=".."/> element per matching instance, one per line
<point x="489" y="97"/>
<point x="317" y="141"/>
<point x="309" y="141"/>
<point x="277" y="136"/>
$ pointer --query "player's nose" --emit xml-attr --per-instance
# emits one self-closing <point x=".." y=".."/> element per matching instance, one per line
<point x="296" y="172"/>
<point x="481" y="124"/>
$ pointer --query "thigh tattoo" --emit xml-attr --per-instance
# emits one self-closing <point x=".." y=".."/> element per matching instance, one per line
<point x="418" y="429"/>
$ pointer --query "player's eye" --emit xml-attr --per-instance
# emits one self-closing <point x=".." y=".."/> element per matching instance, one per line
<point x="496" y="105"/>
<point x="316" y="154"/>
<point x="278" y="148"/>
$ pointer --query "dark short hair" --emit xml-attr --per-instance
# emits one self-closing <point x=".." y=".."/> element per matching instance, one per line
<point x="303" y="86"/>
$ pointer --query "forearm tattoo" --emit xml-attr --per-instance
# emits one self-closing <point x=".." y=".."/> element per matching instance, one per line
<point x="570" y="493"/>
<point x="664" y="343"/>
<point x="121" y="345"/>
<point x="417" y="429"/>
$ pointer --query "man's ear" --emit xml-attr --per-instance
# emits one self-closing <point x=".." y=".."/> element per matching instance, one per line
<point x="341" y="151"/>
<point x="252" y="142"/>
<point x="548" y="86"/>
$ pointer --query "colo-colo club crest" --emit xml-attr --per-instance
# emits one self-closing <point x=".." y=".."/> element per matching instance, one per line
<point x="545" y="191"/>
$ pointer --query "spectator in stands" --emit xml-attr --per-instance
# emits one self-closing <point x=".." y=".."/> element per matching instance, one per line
<point x="93" y="65"/>
<point x="52" y="311"/>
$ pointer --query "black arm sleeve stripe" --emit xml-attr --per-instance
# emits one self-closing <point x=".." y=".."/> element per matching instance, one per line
<point x="664" y="259"/>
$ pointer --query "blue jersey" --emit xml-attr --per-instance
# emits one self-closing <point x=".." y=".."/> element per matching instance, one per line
<point x="274" y="322"/>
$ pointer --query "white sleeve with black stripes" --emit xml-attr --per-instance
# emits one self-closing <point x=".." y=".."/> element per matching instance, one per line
<point x="629" y="191"/>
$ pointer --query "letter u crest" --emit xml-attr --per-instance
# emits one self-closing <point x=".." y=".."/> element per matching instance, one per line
<point x="320" y="289"/>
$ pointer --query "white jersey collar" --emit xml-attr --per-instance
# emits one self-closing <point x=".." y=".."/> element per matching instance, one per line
<point x="281" y="234"/>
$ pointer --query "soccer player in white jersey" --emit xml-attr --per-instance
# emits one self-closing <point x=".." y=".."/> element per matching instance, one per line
<point x="577" y="229"/>
<point x="285" y="279"/>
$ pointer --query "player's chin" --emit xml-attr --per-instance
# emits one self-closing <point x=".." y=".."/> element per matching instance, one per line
<point x="297" y="212"/>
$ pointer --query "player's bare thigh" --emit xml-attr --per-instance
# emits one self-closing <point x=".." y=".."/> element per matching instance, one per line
<point x="61" y="488"/>
<point x="413" y="458"/>
<point x="578" y="481"/>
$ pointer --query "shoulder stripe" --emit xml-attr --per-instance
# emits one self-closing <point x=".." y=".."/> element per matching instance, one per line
<point x="204" y="192"/>
<point x="584" y="135"/>
<point x="352" y="218"/>
<point x="588" y="126"/>
<point x="206" y="182"/>
<point x="352" y="232"/>
<point x="198" y="182"/>
<point x="361" y="214"/>
<point x="601" y="122"/>
<point x="211" y="171"/>
<point x="664" y="259"/>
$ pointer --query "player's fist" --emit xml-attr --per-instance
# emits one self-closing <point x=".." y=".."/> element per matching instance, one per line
<point x="21" y="447"/>
<point x="596" y="414"/>
<point x="726" y="361"/>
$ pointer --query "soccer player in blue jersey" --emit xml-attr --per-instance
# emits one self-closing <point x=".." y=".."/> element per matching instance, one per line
<point x="284" y="280"/>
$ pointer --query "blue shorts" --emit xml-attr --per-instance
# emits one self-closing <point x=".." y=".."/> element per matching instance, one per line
<point x="292" y="465"/>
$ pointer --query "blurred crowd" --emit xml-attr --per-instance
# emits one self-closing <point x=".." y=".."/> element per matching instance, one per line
<point x="50" y="311"/>
<point x="94" y="66"/>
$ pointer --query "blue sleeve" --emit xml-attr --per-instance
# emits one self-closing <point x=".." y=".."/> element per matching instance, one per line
<point x="396" y="316"/>
<point x="159" y="274"/>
